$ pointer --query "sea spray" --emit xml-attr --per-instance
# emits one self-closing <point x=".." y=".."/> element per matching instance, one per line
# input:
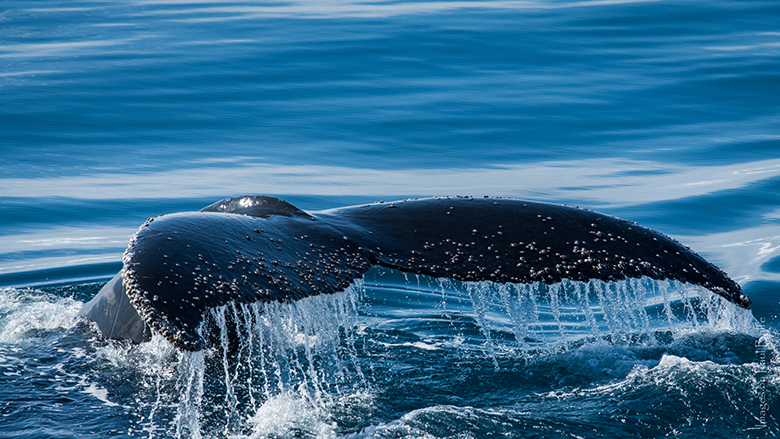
<point x="155" y="368"/>
<point x="279" y="369"/>
<point x="263" y="356"/>
<point x="190" y="386"/>
<point x="547" y="318"/>
<point x="27" y="312"/>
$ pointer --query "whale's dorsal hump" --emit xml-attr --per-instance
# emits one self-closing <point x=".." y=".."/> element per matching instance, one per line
<point x="256" y="205"/>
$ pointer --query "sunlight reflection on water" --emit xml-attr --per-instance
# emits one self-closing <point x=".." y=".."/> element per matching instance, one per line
<point x="629" y="182"/>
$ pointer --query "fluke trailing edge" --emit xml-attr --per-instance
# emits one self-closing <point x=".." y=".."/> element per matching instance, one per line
<point x="257" y="248"/>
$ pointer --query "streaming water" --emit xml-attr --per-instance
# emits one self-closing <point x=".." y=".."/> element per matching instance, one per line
<point x="263" y="358"/>
<point x="291" y="369"/>
<point x="336" y="365"/>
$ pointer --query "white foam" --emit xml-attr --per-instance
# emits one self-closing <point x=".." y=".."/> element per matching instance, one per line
<point x="99" y="393"/>
<point x="288" y="415"/>
<point x="23" y="312"/>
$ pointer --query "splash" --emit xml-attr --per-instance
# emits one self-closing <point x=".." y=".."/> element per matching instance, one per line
<point x="284" y="369"/>
<point x="25" y="313"/>
<point x="531" y="319"/>
<point x="263" y="359"/>
<point x="550" y="318"/>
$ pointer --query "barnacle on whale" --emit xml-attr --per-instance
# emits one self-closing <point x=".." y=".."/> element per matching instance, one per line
<point x="259" y="249"/>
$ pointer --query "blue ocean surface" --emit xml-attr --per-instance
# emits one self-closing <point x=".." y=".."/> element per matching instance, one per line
<point x="666" y="113"/>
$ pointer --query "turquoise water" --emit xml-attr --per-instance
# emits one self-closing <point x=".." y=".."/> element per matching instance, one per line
<point x="664" y="113"/>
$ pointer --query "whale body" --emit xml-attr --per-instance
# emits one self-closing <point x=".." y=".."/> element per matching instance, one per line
<point x="259" y="249"/>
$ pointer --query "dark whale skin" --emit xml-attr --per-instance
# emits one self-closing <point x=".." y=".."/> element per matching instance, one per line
<point x="256" y="248"/>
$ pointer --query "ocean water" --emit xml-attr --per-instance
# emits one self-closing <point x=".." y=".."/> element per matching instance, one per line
<point x="662" y="112"/>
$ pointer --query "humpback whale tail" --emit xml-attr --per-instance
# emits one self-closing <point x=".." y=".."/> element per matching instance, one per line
<point x="261" y="249"/>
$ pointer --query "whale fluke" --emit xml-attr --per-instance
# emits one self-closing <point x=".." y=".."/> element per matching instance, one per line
<point x="256" y="248"/>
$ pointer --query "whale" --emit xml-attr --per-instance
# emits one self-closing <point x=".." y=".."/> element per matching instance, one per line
<point x="256" y="248"/>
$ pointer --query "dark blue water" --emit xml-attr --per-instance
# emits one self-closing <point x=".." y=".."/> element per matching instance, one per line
<point x="664" y="113"/>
